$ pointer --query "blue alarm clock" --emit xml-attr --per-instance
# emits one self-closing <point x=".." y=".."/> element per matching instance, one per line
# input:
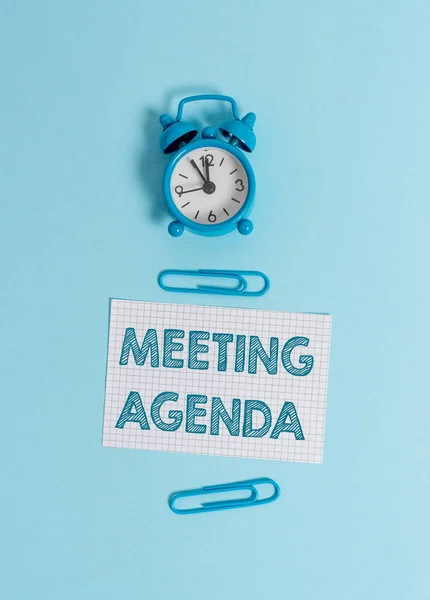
<point x="209" y="184"/>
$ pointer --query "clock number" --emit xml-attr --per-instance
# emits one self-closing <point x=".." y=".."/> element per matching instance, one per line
<point x="179" y="190"/>
<point x="209" y="159"/>
<point x="240" y="182"/>
<point x="211" y="217"/>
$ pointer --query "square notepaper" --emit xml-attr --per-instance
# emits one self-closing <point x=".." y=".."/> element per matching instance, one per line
<point x="215" y="380"/>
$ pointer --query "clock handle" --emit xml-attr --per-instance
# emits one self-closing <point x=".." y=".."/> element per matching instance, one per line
<point x="237" y="131"/>
<point x="199" y="97"/>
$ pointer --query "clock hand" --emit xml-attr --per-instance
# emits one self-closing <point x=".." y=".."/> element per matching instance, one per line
<point x="207" y="169"/>
<point x="180" y="190"/>
<point x="193" y="162"/>
<point x="194" y="190"/>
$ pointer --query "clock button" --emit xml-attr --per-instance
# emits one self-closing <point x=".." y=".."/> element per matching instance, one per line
<point x="209" y="133"/>
<point x="245" y="227"/>
<point x="175" y="229"/>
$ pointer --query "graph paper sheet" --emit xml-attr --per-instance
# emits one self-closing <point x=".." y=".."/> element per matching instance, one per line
<point x="175" y="383"/>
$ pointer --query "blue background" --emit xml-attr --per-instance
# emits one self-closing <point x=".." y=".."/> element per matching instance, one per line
<point x="341" y="92"/>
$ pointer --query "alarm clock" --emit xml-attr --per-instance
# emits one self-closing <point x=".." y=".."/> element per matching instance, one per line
<point x="209" y="184"/>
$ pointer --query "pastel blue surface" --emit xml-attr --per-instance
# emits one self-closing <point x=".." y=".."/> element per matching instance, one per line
<point x="341" y="90"/>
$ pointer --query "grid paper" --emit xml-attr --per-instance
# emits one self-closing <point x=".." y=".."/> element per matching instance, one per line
<point x="308" y="393"/>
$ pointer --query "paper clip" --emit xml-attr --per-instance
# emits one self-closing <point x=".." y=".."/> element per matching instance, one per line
<point x="251" y="500"/>
<point x="240" y="290"/>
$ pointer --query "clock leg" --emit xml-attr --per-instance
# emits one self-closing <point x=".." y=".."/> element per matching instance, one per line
<point x="245" y="227"/>
<point x="175" y="229"/>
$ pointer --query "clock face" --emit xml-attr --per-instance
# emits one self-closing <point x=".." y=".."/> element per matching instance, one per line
<point x="209" y="185"/>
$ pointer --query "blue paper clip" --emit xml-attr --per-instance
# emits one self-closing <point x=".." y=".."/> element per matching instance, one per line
<point x="251" y="500"/>
<point x="240" y="290"/>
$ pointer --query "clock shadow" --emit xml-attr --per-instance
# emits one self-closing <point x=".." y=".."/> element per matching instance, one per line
<point x="151" y="162"/>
